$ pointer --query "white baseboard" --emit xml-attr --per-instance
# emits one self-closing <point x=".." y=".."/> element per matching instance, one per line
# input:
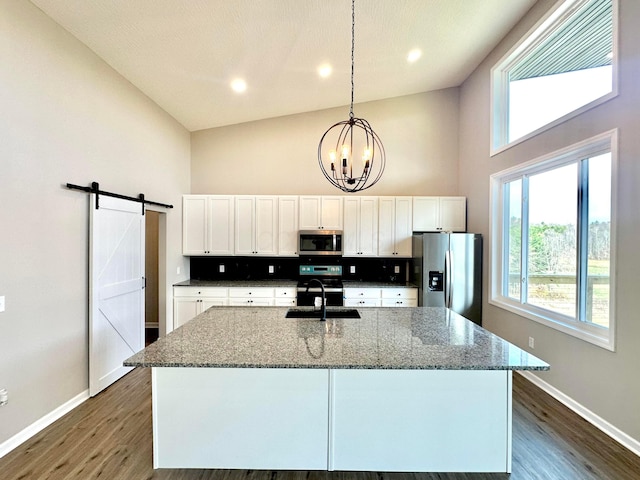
<point x="597" y="421"/>
<point x="42" y="423"/>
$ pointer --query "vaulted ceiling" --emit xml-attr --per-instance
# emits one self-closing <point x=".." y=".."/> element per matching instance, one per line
<point x="184" y="54"/>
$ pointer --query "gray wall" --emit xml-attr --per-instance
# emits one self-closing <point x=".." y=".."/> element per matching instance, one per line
<point x="607" y="383"/>
<point x="279" y="155"/>
<point x="66" y="117"/>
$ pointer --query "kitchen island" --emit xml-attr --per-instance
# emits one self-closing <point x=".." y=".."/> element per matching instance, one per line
<point x="399" y="389"/>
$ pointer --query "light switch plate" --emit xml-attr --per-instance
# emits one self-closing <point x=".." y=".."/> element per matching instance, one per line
<point x="2" y="303"/>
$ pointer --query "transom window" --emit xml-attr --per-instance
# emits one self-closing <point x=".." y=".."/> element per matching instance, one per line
<point x="561" y="68"/>
<point x="552" y="229"/>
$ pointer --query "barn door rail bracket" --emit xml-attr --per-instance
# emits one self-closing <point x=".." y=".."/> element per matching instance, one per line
<point x="95" y="188"/>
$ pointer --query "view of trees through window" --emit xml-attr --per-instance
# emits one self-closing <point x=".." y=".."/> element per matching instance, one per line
<point x="555" y="240"/>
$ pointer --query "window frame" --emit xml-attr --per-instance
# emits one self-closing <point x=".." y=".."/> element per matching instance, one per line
<point x="499" y="93"/>
<point x="595" y="334"/>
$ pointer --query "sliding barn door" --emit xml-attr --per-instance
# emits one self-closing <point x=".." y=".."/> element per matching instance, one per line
<point x="116" y="298"/>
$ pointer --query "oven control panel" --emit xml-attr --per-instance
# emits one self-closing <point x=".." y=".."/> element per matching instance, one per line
<point x="319" y="270"/>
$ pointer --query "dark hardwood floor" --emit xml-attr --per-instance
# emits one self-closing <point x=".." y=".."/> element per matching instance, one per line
<point x="109" y="437"/>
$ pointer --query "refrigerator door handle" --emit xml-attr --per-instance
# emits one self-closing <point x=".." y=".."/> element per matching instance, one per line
<point x="452" y="280"/>
<point x="447" y="281"/>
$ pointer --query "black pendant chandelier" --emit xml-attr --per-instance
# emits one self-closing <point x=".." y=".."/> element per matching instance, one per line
<point x="342" y="142"/>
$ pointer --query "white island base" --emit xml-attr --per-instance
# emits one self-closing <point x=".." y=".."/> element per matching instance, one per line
<point x="332" y="419"/>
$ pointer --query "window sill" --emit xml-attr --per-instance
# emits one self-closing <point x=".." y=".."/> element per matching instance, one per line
<point x="599" y="101"/>
<point x="599" y="336"/>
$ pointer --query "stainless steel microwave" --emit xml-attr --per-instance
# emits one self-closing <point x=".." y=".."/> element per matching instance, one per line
<point x="320" y="242"/>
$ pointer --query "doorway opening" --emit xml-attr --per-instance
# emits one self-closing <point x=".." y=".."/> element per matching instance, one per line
<point x="154" y="273"/>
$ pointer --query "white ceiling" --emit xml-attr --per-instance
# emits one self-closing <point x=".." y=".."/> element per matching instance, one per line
<point x="183" y="54"/>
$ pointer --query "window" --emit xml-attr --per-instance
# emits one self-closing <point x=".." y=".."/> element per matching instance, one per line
<point x="552" y="236"/>
<point x="563" y="67"/>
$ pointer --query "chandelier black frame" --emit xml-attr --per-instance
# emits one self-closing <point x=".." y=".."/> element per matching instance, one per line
<point x="340" y="162"/>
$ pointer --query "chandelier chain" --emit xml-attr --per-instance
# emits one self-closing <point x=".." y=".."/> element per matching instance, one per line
<point x="341" y="168"/>
<point x="353" y="36"/>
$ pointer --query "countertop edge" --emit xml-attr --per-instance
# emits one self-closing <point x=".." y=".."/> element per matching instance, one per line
<point x="336" y="367"/>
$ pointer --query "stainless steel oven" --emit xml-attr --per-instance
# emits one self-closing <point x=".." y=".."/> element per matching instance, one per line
<point x="331" y="278"/>
<point x="319" y="242"/>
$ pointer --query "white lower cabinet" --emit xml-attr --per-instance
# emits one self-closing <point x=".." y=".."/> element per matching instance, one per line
<point x="361" y="297"/>
<point x="400" y="297"/>
<point x="340" y="419"/>
<point x="191" y="301"/>
<point x="241" y="418"/>
<point x="381" y="297"/>
<point x="285" y="297"/>
<point x="251" y="297"/>
<point x="420" y="420"/>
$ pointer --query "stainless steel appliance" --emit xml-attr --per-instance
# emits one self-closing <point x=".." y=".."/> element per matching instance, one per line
<point x="447" y="267"/>
<point x="319" y="242"/>
<point x="331" y="278"/>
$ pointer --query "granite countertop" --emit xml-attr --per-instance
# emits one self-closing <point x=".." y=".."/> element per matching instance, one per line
<point x="270" y="283"/>
<point x="274" y="283"/>
<point x="384" y="338"/>
<point x="365" y="284"/>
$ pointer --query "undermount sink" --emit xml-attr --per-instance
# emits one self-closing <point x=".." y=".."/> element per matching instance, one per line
<point x="331" y="313"/>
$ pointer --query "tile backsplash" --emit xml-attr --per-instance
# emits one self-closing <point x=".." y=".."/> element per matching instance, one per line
<point x="260" y="268"/>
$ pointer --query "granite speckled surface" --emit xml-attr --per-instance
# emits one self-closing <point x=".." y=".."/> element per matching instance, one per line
<point x="283" y="283"/>
<point x="275" y="283"/>
<point x="384" y="338"/>
<point x="363" y="284"/>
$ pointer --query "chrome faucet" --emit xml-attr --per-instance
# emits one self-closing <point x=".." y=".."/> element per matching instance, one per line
<point x="323" y="307"/>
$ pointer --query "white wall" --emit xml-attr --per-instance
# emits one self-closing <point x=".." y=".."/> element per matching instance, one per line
<point x="607" y="383"/>
<point x="65" y="116"/>
<point x="279" y="155"/>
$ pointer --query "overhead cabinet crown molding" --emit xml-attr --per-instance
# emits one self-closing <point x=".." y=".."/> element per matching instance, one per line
<point x="247" y="225"/>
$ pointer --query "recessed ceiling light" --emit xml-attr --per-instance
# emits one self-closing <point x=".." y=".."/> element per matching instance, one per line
<point x="324" y="70"/>
<point x="238" y="85"/>
<point x="414" y="55"/>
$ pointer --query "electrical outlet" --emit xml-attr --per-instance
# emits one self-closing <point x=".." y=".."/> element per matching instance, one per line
<point x="396" y="269"/>
<point x="178" y="271"/>
<point x="532" y="342"/>
<point x="271" y="269"/>
<point x="221" y="268"/>
<point x="2" y="303"/>
<point x="352" y="269"/>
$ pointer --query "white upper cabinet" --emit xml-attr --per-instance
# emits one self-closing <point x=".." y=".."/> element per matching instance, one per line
<point x="220" y="227"/>
<point x="194" y="224"/>
<point x="395" y="226"/>
<point x="207" y="226"/>
<point x="256" y="225"/>
<point x="269" y="225"/>
<point x="440" y="214"/>
<point x="360" y="236"/>
<point x="321" y="212"/>
<point x="288" y="226"/>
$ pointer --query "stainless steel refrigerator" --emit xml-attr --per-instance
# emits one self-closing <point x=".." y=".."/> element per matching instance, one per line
<point x="447" y="267"/>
